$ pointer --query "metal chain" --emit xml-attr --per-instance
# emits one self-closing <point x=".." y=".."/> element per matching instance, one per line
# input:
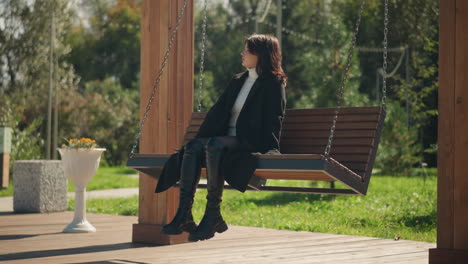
<point x="158" y="79"/>
<point x="344" y="81"/>
<point x="385" y="51"/>
<point x="378" y="50"/>
<point x="202" y="58"/>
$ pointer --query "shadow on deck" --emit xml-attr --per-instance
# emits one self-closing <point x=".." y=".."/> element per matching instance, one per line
<point x="38" y="238"/>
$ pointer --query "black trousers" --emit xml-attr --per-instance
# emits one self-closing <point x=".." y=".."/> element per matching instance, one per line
<point x="198" y="147"/>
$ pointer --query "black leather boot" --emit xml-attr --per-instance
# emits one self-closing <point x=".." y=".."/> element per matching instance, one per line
<point x="190" y="176"/>
<point x="212" y="221"/>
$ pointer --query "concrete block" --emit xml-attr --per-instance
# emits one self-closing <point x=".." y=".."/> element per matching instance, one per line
<point x="39" y="186"/>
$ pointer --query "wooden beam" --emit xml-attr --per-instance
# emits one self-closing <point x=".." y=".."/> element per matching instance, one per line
<point x="460" y="105"/>
<point x="5" y="150"/>
<point x="452" y="231"/>
<point x="4" y="169"/>
<point x="171" y="110"/>
<point x="446" y="122"/>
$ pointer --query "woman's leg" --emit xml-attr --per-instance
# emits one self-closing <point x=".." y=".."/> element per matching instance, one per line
<point x="212" y="220"/>
<point x="190" y="170"/>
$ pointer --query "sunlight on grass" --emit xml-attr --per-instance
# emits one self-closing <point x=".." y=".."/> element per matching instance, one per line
<point x="105" y="178"/>
<point x="110" y="178"/>
<point x="7" y="191"/>
<point x="402" y="207"/>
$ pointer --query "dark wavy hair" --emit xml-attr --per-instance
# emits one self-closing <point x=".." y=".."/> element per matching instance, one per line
<point x="266" y="47"/>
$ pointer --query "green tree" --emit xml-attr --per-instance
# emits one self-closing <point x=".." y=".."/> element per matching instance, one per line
<point x="314" y="63"/>
<point x="399" y="150"/>
<point x="110" y="46"/>
<point x="106" y="112"/>
<point x="412" y="24"/>
<point x="24" y="54"/>
<point x="101" y="109"/>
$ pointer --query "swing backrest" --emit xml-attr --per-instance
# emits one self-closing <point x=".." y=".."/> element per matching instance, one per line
<point x="306" y="131"/>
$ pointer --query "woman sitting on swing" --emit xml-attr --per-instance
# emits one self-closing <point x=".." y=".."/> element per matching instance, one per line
<point x="246" y="118"/>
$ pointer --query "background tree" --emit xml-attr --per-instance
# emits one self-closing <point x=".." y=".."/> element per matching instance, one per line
<point x="24" y="71"/>
<point x="102" y="109"/>
<point x="109" y="47"/>
<point x="314" y="63"/>
<point x="106" y="53"/>
<point x="413" y="24"/>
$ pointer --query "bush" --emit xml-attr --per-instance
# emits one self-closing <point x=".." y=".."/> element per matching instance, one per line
<point x="399" y="150"/>
<point x="26" y="142"/>
<point x="105" y="112"/>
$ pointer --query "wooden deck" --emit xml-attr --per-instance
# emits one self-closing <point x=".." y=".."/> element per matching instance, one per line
<point x="38" y="238"/>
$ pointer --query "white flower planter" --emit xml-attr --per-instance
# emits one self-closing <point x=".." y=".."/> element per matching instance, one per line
<point x="79" y="166"/>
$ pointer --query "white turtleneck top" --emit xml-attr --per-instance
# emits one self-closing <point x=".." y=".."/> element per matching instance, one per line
<point x="240" y="100"/>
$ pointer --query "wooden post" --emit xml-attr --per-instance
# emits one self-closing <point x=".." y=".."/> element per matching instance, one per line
<point x="171" y="110"/>
<point x="452" y="213"/>
<point x="5" y="150"/>
<point x="5" y="169"/>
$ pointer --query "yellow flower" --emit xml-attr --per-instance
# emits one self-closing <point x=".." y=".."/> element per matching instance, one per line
<point x="81" y="143"/>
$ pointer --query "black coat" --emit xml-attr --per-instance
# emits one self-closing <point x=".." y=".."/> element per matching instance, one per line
<point x="258" y="129"/>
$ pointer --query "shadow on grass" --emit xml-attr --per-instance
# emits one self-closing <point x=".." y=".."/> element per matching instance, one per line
<point x="285" y="198"/>
<point x="428" y="221"/>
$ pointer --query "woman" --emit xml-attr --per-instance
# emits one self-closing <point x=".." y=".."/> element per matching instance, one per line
<point x="246" y="118"/>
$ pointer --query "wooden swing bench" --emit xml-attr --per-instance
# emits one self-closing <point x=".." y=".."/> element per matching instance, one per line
<point x="304" y="133"/>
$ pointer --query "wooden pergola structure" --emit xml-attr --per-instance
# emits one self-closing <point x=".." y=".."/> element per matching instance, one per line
<point x="452" y="197"/>
<point x="171" y="112"/>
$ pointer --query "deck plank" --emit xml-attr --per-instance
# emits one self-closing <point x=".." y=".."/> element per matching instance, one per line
<point x="38" y="238"/>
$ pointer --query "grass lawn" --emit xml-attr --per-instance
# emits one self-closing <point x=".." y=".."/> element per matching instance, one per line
<point x="105" y="178"/>
<point x="7" y="191"/>
<point x="403" y="207"/>
<point x="110" y="178"/>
